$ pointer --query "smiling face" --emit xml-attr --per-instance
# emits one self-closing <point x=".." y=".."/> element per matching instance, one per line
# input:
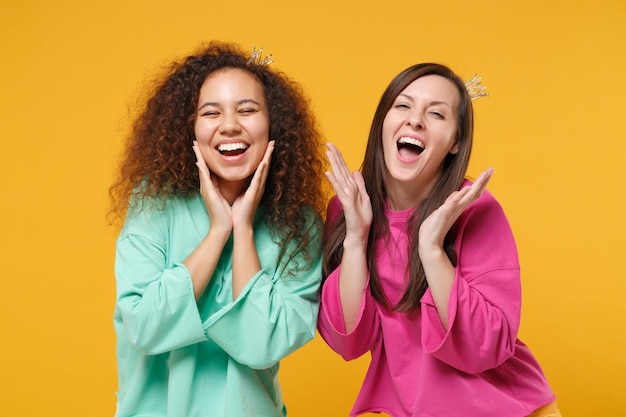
<point x="418" y="132"/>
<point x="232" y="127"/>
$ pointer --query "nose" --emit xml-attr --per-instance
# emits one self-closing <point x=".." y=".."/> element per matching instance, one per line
<point x="415" y="120"/>
<point x="230" y="123"/>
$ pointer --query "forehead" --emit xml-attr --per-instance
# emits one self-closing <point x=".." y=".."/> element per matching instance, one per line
<point x="232" y="82"/>
<point x="432" y="88"/>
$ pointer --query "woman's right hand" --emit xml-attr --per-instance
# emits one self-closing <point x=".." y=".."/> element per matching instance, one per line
<point x="351" y="192"/>
<point x="357" y="210"/>
<point x="202" y="261"/>
<point x="220" y="211"/>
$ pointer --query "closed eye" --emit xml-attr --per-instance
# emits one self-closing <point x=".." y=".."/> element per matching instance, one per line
<point x="248" y="111"/>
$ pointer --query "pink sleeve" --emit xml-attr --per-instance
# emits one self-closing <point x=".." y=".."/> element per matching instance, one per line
<point x="485" y="301"/>
<point x="330" y="322"/>
<point x="332" y="326"/>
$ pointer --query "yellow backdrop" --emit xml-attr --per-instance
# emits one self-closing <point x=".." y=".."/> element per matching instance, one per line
<point x="554" y="129"/>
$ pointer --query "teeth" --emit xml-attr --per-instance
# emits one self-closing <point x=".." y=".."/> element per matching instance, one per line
<point x="411" y="141"/>
<point x="229" y="147"/>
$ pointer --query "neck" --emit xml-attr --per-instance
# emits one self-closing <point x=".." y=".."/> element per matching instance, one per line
<point x="406" y="195"/>
<point x="400" y="201"/>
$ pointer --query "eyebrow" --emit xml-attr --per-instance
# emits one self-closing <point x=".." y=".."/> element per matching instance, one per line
<point x="432" y="103"/>
<point x="239" y="103"/>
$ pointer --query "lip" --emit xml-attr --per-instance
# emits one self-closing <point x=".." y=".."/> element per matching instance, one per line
<point x="411" y="139"/>
<point x="232" y="145"/>
<point x="408" y="160"/>
<point x="232" y="141"/>
<point x="409" y="135"/>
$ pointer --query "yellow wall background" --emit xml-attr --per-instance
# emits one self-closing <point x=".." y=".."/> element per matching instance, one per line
<point x="554" y="129"/>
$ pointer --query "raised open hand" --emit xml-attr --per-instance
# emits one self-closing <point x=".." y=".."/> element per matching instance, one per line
<point x="350" y="189"/>
<point x="434" y="229"/>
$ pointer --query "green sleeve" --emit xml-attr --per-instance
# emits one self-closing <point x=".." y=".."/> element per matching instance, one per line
<point x="276" y="313"/>
<point x="155" y="302"/>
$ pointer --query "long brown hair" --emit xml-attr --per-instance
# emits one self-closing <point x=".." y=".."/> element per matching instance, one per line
<point x="158" y="159"/>
<point x="375" y="176"/>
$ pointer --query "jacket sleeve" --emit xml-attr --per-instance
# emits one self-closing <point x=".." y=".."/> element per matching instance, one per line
<point x="276" y="313"/>
<point x="485" y="301"/>
<point x="156" y="304"/>
<point x="331" y="324"/>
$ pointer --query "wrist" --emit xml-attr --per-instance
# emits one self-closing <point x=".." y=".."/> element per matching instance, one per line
<point x="354" y="242"/>
<point x="431" y="252"/>
<point x="243" y="231"/>
<point x="218" y="233"/>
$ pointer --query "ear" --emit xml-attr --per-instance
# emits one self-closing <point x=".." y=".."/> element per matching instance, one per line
<point x="455" y="148"/>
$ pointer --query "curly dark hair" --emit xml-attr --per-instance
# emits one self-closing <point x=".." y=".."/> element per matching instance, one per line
<point x="158" y="152"/>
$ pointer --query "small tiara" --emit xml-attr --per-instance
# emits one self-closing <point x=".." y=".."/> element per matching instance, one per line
<point x="474" y="88"/>
<point x="257" y="57"/>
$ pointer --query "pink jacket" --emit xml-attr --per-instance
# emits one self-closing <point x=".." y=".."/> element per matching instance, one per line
<point x="478" y="367"/>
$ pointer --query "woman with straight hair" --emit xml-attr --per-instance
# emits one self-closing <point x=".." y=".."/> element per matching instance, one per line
<point x="421" y="267"/>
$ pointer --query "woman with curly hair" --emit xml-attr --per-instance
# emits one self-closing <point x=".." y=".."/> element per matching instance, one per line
<point x="218" y="263"/>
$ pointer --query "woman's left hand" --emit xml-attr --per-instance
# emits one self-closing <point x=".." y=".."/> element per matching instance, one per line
<point x="434" y="229"/>
<point x="437" y="266"/>
<point x="245" y="206"/>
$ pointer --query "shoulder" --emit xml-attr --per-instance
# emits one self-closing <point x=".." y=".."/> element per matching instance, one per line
<point x="484" y="235"/>
<point x="314" y="223"/>
<point x="149" y="212"/>
<point x="310" y="213"/>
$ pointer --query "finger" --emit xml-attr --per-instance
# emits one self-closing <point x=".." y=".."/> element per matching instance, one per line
<point x="333" y="183"/>
<point x="360" y="183"/>
<point x="474" y="191"/>
<point x="341" y="178"/>
<point x="333" y="159"/>
<point x="200" y="162"/>
<point x="269" y="151"/>
<point x="196" y="151"/>
<point x="265" y="163"/>
<point x="483" y="179"/>
<point x="346" y="197"/>
<point x="260" y="175"/>
<point x="337" y="163"/>
<point x="459" y="200"/>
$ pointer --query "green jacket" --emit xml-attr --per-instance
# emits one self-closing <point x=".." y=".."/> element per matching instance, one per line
<point x="215" y="357"/>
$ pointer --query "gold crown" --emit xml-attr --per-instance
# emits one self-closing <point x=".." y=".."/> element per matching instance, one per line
<point x="475" y="89"/>
<point x="257" y="57"/>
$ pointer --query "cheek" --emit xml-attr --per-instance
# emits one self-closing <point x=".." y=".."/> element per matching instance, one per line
<point x="262" y="129"/>
<point x="203" y="132"/>
<point x="197" y="130"/>
<point x="447" y="134"/>
<point x="390" y="126"/>
<point x="386" y="134"/>
<point x="206" y="154"/>
<point x="264" y="134"/>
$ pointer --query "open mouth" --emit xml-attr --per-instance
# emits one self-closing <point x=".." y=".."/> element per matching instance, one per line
<point x="409" y="147"/>
<point x="232" y="149"/>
